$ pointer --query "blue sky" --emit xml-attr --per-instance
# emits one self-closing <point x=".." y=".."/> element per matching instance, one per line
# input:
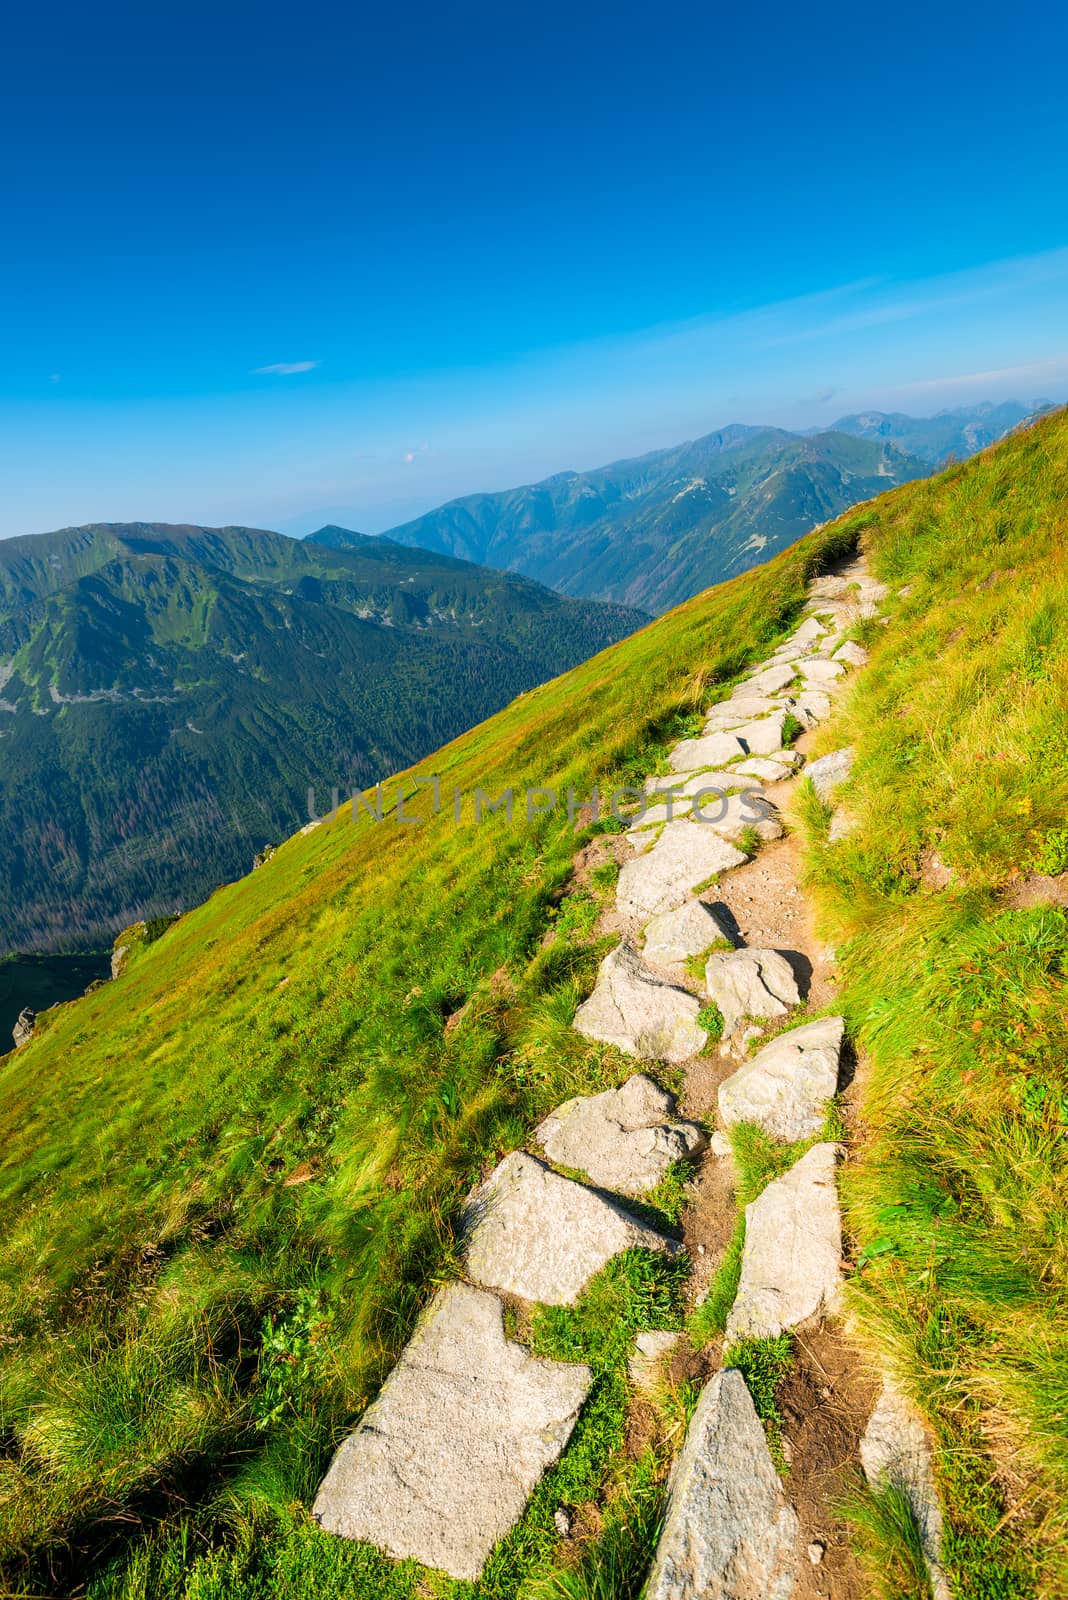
<point x="288" y="264"/>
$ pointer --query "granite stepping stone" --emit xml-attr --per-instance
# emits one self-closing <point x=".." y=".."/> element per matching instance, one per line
<point x="791" y="1263"/>
<point x="750" y="983"/>
<point x="728" y="1531"/>
<point x="442" y="1465"/>
<point x="532" y="1233"/>
<point x="662" y="878"/>
<point x="674" y="936"/>
<point x="636" y="1010"/>
<point x="786" y="1086"/>
<point x="624" y="1139"/>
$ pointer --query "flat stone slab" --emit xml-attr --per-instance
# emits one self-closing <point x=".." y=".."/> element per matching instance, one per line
<point x="809" y="633"/>
<point x="763" y="735"/>
<point x="771" y="679"/>
<point x="785" y="1088"/>
<point x="636" y="1010"/>
<point x="817" y="669"/>
<point x="792" y="1259"/>
<point x="854" y="654"/>
<point x="661" y="879"/>
<point x="765" y="769"/>
<point x="811" y="707"/>
<point x="830" y="771"/>
<point x="728" y="1533"/>
<point x="732" y="815"/>
<point x="674" y="936"/>
<point x="533" y="1233"/>
<point x="624" y="1139"/>
<point x="739" y="708"/>
<point x="896" y="1452"/>
<point x="712" y="750"/>
<point x="750" y="983"/>
<point x="443" y="1463"/>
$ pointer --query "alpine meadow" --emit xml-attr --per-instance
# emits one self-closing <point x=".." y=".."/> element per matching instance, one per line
<point x="235" y="1184"/>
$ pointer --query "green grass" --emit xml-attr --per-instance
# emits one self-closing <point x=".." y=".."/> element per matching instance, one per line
<point x="887" y="1541"/>
<point x="765" y="1364"/>
<point x="231" y="1178"/>
<point x="958" y="1000"/>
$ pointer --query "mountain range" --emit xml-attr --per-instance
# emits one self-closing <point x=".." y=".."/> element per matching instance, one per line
<point x="653" y="530"/>
<point x="167" y="695"/>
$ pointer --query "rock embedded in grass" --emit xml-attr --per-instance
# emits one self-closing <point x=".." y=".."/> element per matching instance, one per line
<point x="787" y="1085"/>
<point x="624" y="1139"/>
<point x="750" y="983"/>
<point x="532" y="1233"/>
<point x="690" y="755"/>
<point x="830" y="771"/>
<point x="791" y="1262"/>
<point x="665" y="877"/>
<point x="728" y="1531"/>
<point x="674" y="936"/>
<point x="817" y="669"/>
<point x="638" y="1011"/>
<point x="22" y="1032"/>
<point x="854" y="654"/>
<point x="443" y="1463"/>
<point x="895" y="1452"/>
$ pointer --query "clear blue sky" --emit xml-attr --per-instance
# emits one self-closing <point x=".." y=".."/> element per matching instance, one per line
<point x="499" y="240"/>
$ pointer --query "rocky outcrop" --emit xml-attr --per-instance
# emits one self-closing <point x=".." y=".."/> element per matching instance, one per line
<point x="638" y="1012"/>
<point x="532" y="1233"/>
<point x="750" y="983"/>
<point x="728" y="1532"/>
<point x="791" y="1263"/>
<point x="624" y="1139"/>
<point x="22" y="1032"/>
<point x="443" y="1463"/>
<point x="786" y="1086"/>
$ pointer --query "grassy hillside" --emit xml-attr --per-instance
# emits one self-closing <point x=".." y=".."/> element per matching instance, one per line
<point x="265" y="1127"/>
<point x="949" y="907"/>
<point x="230" y="1178"/>
<point x="167" y="695"/>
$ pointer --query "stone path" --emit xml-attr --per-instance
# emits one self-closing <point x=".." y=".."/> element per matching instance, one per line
<point x="442" y="1465"/>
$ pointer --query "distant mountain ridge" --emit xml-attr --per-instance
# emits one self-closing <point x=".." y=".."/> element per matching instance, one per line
<point x="168" y="693"/>
<point x="959" y="432"/>
<point x="653" y="530"/>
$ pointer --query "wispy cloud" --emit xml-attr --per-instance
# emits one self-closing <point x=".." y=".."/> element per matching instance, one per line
<point x="1057" y="367"/>
<point x="285" y="369"/>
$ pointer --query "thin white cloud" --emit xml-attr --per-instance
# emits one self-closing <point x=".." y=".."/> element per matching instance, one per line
<point x="285" y="369"/>
<point x="1031" y="369"/>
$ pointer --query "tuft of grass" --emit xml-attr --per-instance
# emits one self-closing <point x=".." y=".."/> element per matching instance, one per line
<point x="764" y="1364"/>
<point x="606" y="876"/>
<point x="887" y="1542"/>
<point x="710" y="1018"/>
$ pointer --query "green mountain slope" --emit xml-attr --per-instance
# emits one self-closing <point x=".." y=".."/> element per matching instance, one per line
<point x="231" y="1177"/>
<point x="168" y="694"/>
<point x="653" y="531"/>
